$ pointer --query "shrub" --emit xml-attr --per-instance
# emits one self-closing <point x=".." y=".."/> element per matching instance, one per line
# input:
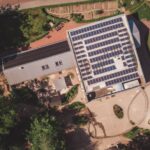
<point x="77" y="17"/>
<point x="80" y="119"/>
<point x="97" y="12"/>
<point x="71" y="94"/>
<point x="118" y="111"/>
<point x="77" y="106"/>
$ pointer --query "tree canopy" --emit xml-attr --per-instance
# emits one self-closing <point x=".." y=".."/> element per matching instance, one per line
<point x="7" y="115"/>
<point x="45" y="134"/>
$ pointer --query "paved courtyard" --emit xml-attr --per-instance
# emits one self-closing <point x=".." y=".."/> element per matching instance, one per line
<point x="135" y="103"/>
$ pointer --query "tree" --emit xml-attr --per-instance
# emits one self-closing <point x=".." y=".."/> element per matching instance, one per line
<point x="45" y="134"/>
<point x="7" y="115"/>
<point x="11" y="35"/>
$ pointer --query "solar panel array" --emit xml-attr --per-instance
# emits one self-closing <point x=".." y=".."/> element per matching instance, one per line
<point x="97" y="47"/>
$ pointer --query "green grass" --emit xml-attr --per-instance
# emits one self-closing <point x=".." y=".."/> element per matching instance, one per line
<point x="144" y="12"/>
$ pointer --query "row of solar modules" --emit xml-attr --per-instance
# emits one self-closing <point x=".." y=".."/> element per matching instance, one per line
<point x="96" y="32"/>
<point x="113" y="75"/>
<point x="97" y="45"/>
<point x="127" y="47"/>
<point x="78" y="48"/>
<point x="99" y="25"/>
<point x="109" y="55"/>
<point x="98" y="38"/>
<point x="87" y="78"/>
<point x="129" y="56"/>
<point x="85" y="74"/>
<point x="77" y="43"/>
<point x="103" y="70"/>
<point x="85" y="69"/>
<point x="104" y="50"/>
<point x="126" y="43"/>
<point x="81" y="56"/>
<point x="124" y="34"/>
<point x="101" y="64"/>
<point x="132" y="65"/>
<point x="84" y="65"/>
<point x="124" y="39"/>
<point x="122" y="30"/>
<point x="80" y="52"/>
<point x="122" y="79"/>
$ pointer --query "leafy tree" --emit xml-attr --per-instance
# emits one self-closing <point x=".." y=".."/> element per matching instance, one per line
<point x="45" y="134"/>
<point x="25" y="95"/>
<point x="11" y="35"/>
<point x="7" y="115"/>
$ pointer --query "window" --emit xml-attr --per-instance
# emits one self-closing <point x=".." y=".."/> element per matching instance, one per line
<point x="58" y="63"/>
<point x="45" y="67"/>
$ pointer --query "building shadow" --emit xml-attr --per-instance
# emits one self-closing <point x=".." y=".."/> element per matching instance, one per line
<point x="142" y="48"/>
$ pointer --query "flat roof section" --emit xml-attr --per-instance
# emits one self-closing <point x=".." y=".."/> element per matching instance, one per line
<point x="35" y="54"/>
<point x="105" y="54"/>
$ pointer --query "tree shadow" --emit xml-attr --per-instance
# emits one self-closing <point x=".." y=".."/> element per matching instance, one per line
<point x="78" y="139"/>
<point x="11" y="34"/>
<point x="142" y="50"/>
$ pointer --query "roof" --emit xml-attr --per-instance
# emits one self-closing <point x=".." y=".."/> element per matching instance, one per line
<point x="35" y="54"/>
<point x="105" y="54"/>
<point x="142" y="50"/>
<point x="60" y="84"/>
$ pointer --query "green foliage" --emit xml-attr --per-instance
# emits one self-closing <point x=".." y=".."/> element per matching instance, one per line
<point x="11" y="35"/>
<point x="144" y="12"/>
<point x="71" y="94"/>
<point x="77" y="106"/>
<point x="45" y="134"/>
<point x="135" y="132"/>
<point x="25" y="95"/>
<point x="80" y="119"/>
<point x="118" y="111"/>
<point x="37" y="24"/>
<point x="7" y="115"/>
<point x="77" y="17"/>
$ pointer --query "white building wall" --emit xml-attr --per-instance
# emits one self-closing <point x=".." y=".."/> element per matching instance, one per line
<point x="33" y="70"/>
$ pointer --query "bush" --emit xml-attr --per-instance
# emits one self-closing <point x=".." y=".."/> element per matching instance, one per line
<point x="97" y="12"/>
<point x="71" y="94"/>
<point x="118" y="111"/>
<point x="77" y="17"/>
<point x="77" y="106"/>
<point x="80" y="119"/>
<point x="135" y="132"/>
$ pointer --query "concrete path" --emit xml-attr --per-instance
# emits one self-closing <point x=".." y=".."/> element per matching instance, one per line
<point x="39" y="3"/>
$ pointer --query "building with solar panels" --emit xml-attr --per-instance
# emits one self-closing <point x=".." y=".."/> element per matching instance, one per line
<point x="106" y="56"/>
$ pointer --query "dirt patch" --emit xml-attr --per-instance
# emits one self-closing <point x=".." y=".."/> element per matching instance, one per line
<point x="88" y="10"/>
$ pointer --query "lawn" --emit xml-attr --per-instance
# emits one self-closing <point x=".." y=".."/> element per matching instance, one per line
<point x="144" y="12"/>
